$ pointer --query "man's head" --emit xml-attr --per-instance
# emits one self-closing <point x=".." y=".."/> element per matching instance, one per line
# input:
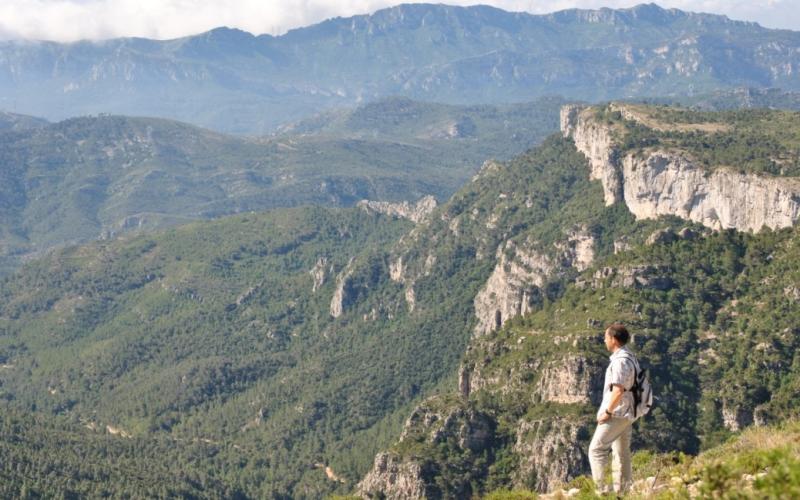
<point x="616" y="336"/>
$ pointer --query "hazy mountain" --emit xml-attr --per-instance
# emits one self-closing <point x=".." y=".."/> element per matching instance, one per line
<point x="233" y="81"/>
<point x="13" y="121"/>
<point x="743" y="98"/>
<point x="95" y="177"/>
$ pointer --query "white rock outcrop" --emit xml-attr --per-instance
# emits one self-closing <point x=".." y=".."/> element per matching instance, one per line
<point x="411" y="298"/>
<point x="550" y="453"/>
<point x="668" y="184"/>
<point x="340" y="296"/>
<point x="416" y="212"/>
<point x="521" y="271"/>
<point x="571" y="380"/>
<point x="511" y="287"/>
<point x="397" y="270"/>
<point x="596" y="141"/>
<point x="319" y="274"/>
<point x="658" y="182"/>
<point x="736" y="418"/>
<point x="578" y="249"/>
<point x="393" y="477"/>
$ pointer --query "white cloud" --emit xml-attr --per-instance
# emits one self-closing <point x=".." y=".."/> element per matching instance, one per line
<point x="67" y="20"/>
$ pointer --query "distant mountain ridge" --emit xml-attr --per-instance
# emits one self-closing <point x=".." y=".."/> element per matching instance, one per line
<point x="100" y="176"/>
<point x="233" y="81"/>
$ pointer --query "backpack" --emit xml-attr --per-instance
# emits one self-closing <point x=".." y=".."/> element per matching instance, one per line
<point x="642" y="391"/>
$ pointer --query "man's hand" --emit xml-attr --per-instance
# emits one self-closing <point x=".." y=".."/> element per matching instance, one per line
<point x="616" y="397"/>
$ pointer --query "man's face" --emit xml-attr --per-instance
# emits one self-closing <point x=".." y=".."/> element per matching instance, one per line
<point x="610" y="341"/>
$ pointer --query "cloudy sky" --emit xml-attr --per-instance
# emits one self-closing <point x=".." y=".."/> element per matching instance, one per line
<point x="67" y="20"/>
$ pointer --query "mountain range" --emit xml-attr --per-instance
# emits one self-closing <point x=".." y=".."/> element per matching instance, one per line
<point x="396" y="292"/>
<point x="97" y="177"/>
<point x="233" y="81"/>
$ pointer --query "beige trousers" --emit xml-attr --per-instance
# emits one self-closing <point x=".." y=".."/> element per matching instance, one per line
<point x="613" y="435"/>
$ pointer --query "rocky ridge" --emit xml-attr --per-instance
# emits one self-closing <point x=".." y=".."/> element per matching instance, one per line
<point x="656" y="181"/>
<point x="521" y="260"/>
<point x="579" y="53"/>
<point x="416" y="212"/>
<point x="550" y="450"/>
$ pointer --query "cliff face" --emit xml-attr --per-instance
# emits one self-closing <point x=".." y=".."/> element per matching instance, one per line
<point x="596" y="141"/>
<point x="392" y="477"/>
<point x="563" y="378"/>
<point x="549" y="450"/>
<point x="436" y="423"/>
<point x="511" y="288"/>
<point x="341" y="296"/>
<point x="522" y="271"/>
<point x="573" y="379"/>
<point x="417" y="212"/>
<point x="527" y="391"/>
<point x="549" y="453"/>
<point x="658" y="182"/>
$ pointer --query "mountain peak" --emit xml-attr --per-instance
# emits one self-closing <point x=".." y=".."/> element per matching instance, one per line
<point x="221" y="41"/>
<point x="225" y="32"/>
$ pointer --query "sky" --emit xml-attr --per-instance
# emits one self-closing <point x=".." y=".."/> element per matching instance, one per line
<point x="69" y="20"/>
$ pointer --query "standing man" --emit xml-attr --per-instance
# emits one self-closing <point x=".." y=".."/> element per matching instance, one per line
<point x="616" y="414"/>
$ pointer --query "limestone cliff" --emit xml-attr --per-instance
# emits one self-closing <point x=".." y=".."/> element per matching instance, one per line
<point x="596" y="141"/>
<point x="341" y="296"/>
<point x="436" y="423"/>
<point x="572" y="379"/>
<point x="521" y="272"/>
<point x="417" y="212"/>
<point x="631" y="276"/>
<point x="550" y="453"/>
<point x="393" y="477"/>
<point x="658" y="181"/>
<point x="511" y="288"/>
<point x="565" y="378"/>
<point x="319" y="273"/>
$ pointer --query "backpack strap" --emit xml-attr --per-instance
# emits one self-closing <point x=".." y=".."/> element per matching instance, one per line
<point x="636" y="369"/>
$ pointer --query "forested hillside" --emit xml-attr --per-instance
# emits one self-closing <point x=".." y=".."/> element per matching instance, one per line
<point x="282" y="352"/>
<point x="217" y="330"/>
<point x="97" y="177"/>
<point x="713" y="313"/>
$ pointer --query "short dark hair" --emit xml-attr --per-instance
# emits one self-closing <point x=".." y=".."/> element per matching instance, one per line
<point x="619" y="332"/>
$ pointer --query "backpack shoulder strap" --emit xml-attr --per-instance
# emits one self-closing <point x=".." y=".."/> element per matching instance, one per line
<point x="636" y="369"/>
<point x="630" y="356"/>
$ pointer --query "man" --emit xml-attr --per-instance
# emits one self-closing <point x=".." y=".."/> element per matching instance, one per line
<point x="616" y="414"/>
